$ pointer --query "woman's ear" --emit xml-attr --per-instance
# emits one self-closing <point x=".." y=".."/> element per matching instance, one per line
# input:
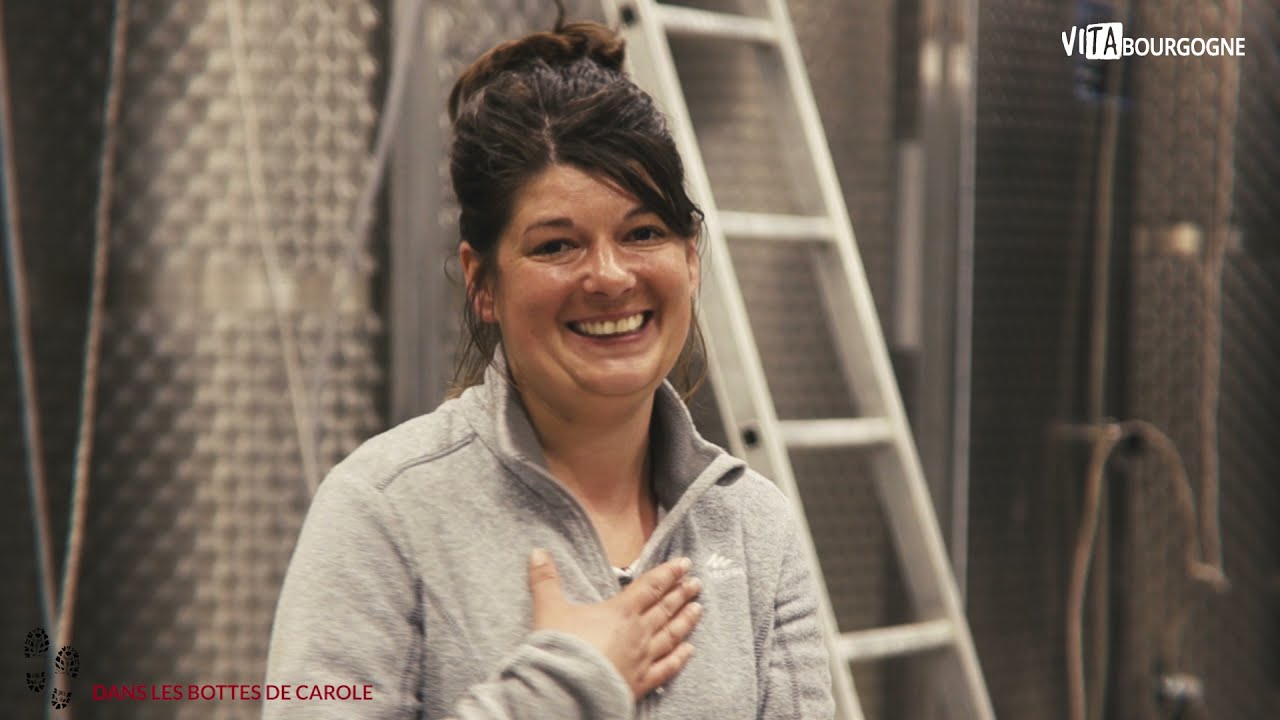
<point x="481" y="295"/>
<point x="694" y="261"/>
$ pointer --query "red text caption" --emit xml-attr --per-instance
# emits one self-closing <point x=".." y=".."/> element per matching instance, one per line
<point x="187" y="692"/>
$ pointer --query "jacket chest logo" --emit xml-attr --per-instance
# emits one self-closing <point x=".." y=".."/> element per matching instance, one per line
<point x="720" y="567"/>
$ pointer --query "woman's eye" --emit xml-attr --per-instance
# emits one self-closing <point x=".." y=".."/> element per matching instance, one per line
<point x="551" y="247"/>
<point x="648" y="233"/>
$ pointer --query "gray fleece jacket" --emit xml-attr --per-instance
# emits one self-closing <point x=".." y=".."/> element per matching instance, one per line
<point x="411" y="576"/>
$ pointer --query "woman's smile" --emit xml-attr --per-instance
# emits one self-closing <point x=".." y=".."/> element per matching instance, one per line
<point x="626" y="326"/>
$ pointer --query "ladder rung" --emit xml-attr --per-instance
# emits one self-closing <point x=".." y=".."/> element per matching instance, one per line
<point x="850" y="432"/>
<point x="680" y="20"/>
<point x="776" y="227"/>
<point x="895" y="640"/>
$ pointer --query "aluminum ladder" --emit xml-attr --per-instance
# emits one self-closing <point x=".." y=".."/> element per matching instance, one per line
<point x="742" y="394"/>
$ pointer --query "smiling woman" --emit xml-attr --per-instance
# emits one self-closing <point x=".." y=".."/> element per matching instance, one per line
<point x="555" y="538"/>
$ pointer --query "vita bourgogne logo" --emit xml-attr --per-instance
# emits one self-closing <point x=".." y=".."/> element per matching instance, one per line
<point x="1107" y="41"/>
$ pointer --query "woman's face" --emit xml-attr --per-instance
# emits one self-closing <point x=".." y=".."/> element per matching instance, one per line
<point x="592" y="292"/>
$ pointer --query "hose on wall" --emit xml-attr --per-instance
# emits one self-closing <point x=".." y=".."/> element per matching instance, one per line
<point x="1204" y="561"/>
<point x="1108" y="437"/>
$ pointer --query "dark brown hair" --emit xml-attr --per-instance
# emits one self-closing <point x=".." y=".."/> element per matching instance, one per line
<point x="557" y="97"/>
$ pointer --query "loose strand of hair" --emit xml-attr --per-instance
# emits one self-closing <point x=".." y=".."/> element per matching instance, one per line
<point x="560" y="13"/>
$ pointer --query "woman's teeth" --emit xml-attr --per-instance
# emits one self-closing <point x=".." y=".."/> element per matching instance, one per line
<point x="610" y="327"/>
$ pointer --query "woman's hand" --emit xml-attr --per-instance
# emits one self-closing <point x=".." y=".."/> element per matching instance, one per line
<point x="641" y="630"/>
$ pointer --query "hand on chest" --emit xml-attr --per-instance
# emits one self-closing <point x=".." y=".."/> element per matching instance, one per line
<point x="484" y="611"/>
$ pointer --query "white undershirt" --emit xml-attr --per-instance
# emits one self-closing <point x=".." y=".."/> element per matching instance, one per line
<point x="626" y="575"/>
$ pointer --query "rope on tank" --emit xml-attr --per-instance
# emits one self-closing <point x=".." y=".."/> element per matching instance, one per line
<point x="93" y="333"/>
<point x="304" y="403"/>
<point x="19" y="308"/>
<point x="303" y="418"/>
<point x="388" y="125"/>
<point x="58" y="607"/>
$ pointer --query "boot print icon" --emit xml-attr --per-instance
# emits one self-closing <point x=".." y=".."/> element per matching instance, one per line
<point x="66" y="663"/>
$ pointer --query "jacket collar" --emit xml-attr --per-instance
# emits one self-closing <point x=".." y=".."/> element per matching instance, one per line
<point x="681" y="458"/>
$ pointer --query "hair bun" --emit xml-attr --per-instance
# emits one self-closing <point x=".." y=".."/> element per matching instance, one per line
<point x="595" y="41"/>
<point x="566" y="44"/>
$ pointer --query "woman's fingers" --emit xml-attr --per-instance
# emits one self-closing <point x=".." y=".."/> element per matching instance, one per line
<point x="650" y="588"/>
<point x="665" y="669"/>
<point x="672" y="603"/>
<point x="642" y="630"/>
<point x="668" y="638"/>
<point x="544" y="582"/>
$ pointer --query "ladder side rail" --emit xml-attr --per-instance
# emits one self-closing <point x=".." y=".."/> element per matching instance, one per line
<point x="905" y="501"/>
<point x="867" y="355"/>
<point x="768" y="456"/>
<point x="855" y="325"/>
<point x="848" y="325"/>
<point x="855" y="341"/>
<point x="911" y="510"/>
<point x="730" y="331"/>
<point x="909" y="505"/>
<point x="748" y="411"/>
<point x="902" y="499"/>
<point x="850" y="308"/>
<point x="788" y="122"/>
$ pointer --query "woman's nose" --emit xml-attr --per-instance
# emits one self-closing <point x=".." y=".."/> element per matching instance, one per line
<point x="608" y="271"/>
